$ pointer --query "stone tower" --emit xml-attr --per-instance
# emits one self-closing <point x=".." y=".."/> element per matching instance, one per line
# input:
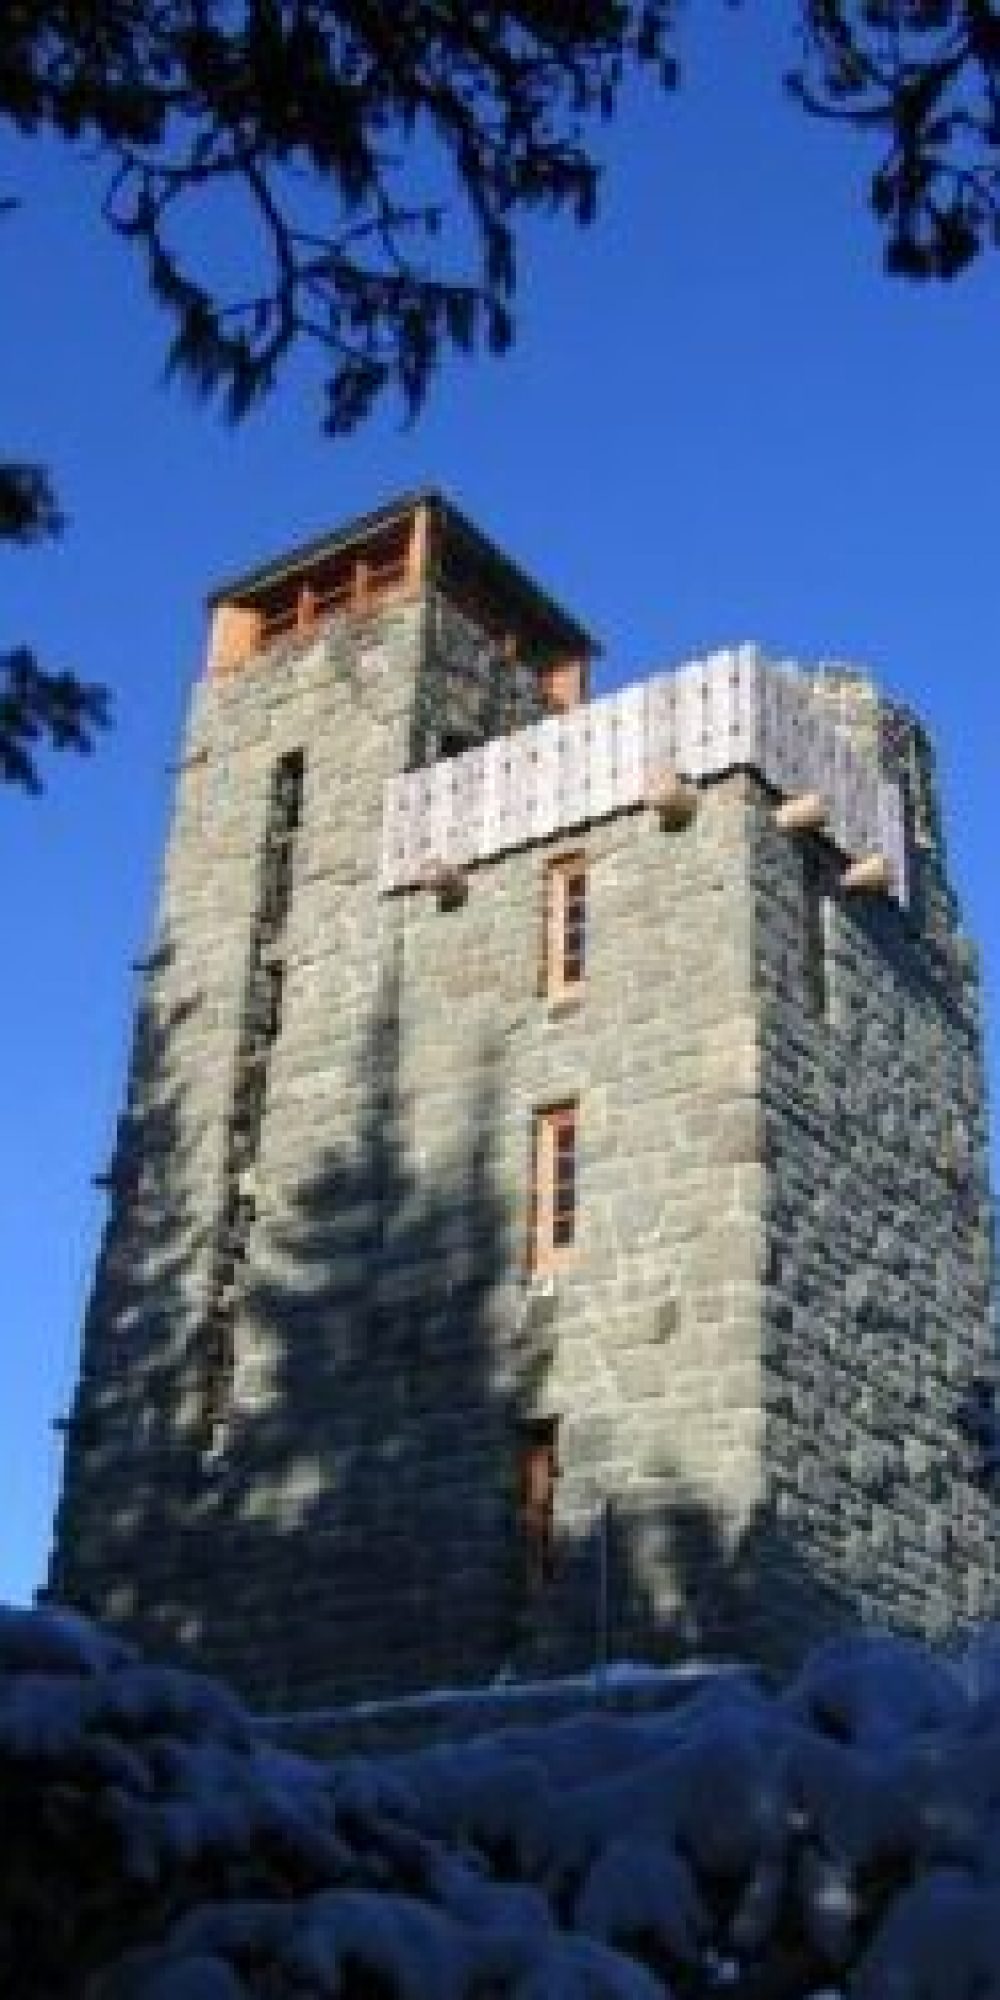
<point x="550" y="1212"/>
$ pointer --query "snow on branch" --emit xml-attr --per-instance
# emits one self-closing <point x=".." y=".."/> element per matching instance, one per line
<point x="838" y="1840"/>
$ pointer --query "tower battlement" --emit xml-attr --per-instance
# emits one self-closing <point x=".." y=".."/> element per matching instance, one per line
<point x="550" y="1209"/>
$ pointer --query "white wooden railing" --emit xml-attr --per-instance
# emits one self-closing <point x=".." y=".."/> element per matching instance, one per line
<point x="731" y="710"/>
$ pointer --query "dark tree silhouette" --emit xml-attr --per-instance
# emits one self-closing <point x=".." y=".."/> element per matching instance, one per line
<point x="385" y="152"/>
<point x="35" y="704"/>
<point x="354" y="131"/>
<point x="39" y="706"/>
<point x="923" y="76"/>
<point x="366" y="138"/>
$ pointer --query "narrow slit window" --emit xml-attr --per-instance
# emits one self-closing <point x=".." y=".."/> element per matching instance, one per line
<point x="564" y="958"/>
<point x="286" y="792"/>
<point x="814" y="936"/>
<point x="273" y="993"/>
<point x="554" y="1193"/>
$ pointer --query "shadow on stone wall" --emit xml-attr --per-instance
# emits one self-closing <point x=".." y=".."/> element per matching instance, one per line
<point x="125" y="1461"/>
<point x="358" y="1532"/>
<point x="671" y="1579"/>
<point x="378" y="1464"/>
<point x="357" y="1529"/>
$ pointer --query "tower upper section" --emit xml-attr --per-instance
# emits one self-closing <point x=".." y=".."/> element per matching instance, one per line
<point x="415" y="547"/>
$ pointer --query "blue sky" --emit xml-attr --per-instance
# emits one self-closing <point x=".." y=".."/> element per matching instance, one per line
<point x="721" y="422"/>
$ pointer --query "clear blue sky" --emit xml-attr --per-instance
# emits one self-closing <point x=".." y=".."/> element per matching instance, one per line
<point x="721" y="422"/>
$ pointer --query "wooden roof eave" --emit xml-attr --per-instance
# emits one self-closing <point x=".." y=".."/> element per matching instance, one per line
<point x="451" y="530"/>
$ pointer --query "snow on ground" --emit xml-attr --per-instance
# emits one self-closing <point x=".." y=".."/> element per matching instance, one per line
<point x="839" y="1840"/>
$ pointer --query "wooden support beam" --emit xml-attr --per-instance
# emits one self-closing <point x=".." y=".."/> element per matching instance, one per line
<point x="155" y="961"/>
<point x="418" y="552"/>
<point x="190" y="763"/>
<point x="674" y="798"/>
<point x="449" y="882"/>
<point x="235" y="636"/>
<point x="873" y="875"/>
<point x="804" y="812"/>
<point x="562" y="685"/>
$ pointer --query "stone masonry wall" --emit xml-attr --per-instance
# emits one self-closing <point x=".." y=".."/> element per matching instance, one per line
<point x="141" y="1511"/>
<point x="465" y="687"/>
<point x="645" y="1347"/>
<point x="780" y="1292"/>
<point x="877" y="1296"/>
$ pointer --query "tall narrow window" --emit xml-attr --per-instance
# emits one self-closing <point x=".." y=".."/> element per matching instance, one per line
<point x="537" y="1472"/>
<point x="553" y="1215"/>
<point x="284" y="814"/>
<point x="814" y="934"/>
<point x="564" y="949"/>
<point x="286" y="793"/>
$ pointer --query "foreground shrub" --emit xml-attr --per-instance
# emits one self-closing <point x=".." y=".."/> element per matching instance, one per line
<point x="841" y="1838"/>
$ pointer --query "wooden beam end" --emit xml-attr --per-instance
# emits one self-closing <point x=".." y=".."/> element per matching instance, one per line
<point x="674" y="799"/>
<point x="804" y="812"/>
<point x="449" y="883"/>
<point x="871" y="874"/>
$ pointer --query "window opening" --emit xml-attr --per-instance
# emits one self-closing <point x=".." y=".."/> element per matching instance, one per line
<point x="344" y="582"/>
<point x="286" y="793"/>
<point x="565" y="925"/>
<point x="537" y="1472"/>
<point x="554" y="1172"/>
<point x="814" y="934"/>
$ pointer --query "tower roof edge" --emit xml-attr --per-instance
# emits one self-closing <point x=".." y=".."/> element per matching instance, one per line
<point x="454" y="528"/>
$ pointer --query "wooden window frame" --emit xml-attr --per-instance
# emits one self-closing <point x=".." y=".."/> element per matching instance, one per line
<point x="563" y="968"/>
<point x="554" y="1207"/>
